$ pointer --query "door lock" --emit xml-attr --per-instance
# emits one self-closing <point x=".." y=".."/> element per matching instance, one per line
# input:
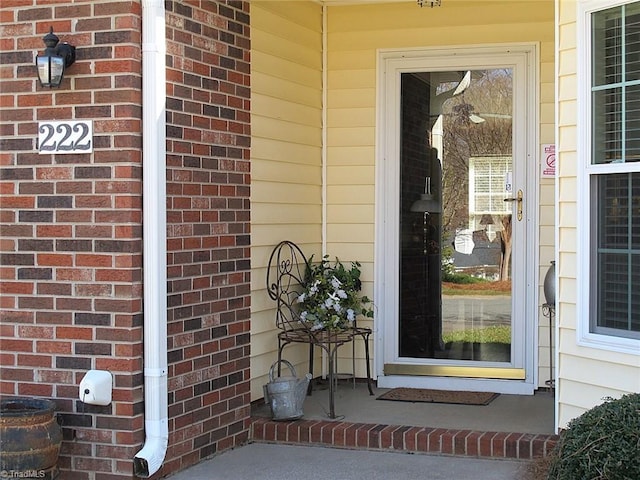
<point x="518" y="199"/>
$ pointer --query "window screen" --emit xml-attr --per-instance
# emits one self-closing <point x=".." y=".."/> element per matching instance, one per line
<point x="615" y="116"/>
<point x="616" y="85"/>
<point x="618" y="253"/>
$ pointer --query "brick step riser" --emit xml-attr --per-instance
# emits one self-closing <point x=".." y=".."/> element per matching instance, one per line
<point x="519" y="446"/>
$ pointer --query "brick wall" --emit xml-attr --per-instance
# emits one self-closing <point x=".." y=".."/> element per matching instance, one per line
<point x="208" y="139"/>
<point x="71" y="228"/>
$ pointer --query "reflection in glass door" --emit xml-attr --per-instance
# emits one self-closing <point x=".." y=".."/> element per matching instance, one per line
<point x="456" y="205"/>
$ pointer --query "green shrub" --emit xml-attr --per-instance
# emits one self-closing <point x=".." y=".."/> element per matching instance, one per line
<point x="461" y="278"/>
<point x="601" y="444"/>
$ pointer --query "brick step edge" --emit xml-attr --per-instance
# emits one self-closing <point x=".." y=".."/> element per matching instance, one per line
<point x="366" y="436"/>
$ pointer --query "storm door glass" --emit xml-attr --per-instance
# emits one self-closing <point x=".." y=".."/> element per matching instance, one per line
<point x="456" y="204"/>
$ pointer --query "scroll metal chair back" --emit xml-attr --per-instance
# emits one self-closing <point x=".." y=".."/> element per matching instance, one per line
<point x="285" y="280"/>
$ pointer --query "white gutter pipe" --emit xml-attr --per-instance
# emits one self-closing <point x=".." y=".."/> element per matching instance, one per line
<point x="154" y="231"/>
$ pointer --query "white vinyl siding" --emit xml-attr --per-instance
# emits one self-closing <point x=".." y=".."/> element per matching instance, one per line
<point x="587" y="371"/>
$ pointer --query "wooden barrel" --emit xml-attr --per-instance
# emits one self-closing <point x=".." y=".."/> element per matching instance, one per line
<point x="30" y="437"/>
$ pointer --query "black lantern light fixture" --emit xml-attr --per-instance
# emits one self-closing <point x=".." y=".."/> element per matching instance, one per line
<point x="55" y="59"/>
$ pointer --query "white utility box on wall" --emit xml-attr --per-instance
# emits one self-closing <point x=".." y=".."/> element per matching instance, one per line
<point x="96" y="387"/>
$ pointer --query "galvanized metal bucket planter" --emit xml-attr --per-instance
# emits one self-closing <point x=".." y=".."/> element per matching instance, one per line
<point x="285" y="394"/>
<point x="30" y="438"/>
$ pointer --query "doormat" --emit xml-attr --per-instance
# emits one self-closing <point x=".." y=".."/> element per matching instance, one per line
<point x="438" y="396"/>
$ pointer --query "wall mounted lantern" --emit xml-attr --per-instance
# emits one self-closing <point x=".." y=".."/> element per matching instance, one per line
<point x="55" y="59"/>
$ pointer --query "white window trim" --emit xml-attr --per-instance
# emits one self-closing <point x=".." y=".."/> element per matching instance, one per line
<point x="585" y="337"/>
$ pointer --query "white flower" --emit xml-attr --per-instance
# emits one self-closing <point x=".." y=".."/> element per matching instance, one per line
<point x="330" y="299"/>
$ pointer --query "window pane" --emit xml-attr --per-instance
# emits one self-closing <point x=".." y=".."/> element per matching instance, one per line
<point x="632" y="42"/>
<point x="607" y="126"/>
<point x="614" y="221"/>
<point x="615" y="88"/>
<point x="634" y="212"/>
<point x="615" y="119"/>
<point x="632" y="124"/>
<point x="614" y="299"/>
<point x="617" y="253"/>
<point x="607" y="47"/>
<point x="635" y="294"/>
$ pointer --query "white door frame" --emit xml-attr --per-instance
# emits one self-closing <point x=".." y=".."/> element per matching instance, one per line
<point x="524" y="59"/>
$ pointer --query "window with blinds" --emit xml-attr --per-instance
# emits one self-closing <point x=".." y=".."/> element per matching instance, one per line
<point x="615" y="192"/>
<point x="616" y="85"/>
<point x="617" y="255"/>
<point x="487" y="185"/>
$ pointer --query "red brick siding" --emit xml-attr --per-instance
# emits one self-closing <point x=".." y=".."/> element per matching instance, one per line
<point x="71" y="233"/>
<point x="70" y="239"/>
<point x="208" y="229"/>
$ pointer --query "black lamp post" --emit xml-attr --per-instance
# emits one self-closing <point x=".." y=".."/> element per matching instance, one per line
<point x="55" y="59"/>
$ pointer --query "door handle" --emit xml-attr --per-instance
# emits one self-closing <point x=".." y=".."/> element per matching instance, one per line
<point x="518" y="199"/>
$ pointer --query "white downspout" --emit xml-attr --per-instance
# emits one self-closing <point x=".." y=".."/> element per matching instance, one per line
<point x="156" y="423"/>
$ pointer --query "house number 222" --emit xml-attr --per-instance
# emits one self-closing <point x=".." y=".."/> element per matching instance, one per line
<point x="65" y="137"/>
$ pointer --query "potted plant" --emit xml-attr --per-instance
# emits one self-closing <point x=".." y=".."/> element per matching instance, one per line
<point x="30" y="438"/>
<point x="331" y="298"/>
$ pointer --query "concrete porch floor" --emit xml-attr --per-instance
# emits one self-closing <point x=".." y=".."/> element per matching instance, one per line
<point x="507" y="413"/>
<point x="370" y="437"/>
<point x="510" y="427"/>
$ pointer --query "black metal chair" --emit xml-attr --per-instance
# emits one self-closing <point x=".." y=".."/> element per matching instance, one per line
<point x="285" y="281"/>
